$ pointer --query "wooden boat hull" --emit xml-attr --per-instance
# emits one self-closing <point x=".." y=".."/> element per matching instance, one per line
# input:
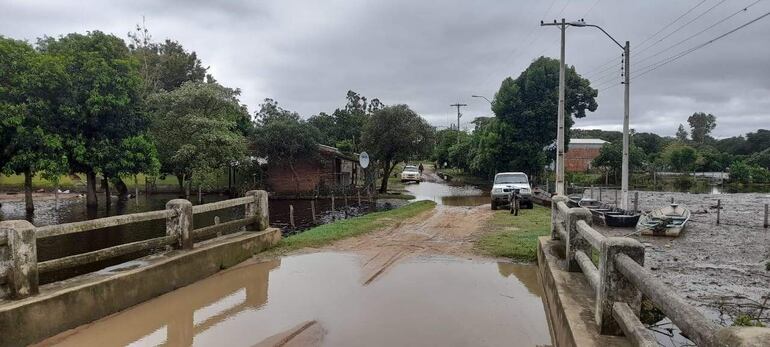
<point x="621" y="220"/>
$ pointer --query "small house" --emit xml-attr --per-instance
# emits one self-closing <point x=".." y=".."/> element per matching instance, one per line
<point x="581" y="153"/>
<point x="329" y="170"/>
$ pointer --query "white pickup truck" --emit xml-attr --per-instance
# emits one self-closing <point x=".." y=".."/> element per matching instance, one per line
<point x="505" y="183"/>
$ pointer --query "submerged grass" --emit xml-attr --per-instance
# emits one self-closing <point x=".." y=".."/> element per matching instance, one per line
<point x="328" y="233"/>
<point x="515" y="237"/>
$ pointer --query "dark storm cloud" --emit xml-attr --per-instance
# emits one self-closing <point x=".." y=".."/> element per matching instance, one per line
<point x="429" y="54"/>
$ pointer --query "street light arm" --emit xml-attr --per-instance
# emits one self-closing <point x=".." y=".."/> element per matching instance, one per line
<point x="482" y="96"/>
<point x="606" y="33"/>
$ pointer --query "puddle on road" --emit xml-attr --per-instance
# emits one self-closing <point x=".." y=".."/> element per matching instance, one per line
<point x="445" y="194"/>
<point x="437" y="301"/>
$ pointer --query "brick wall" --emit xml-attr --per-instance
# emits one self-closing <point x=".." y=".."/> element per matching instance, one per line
<point x="578" y="158"/>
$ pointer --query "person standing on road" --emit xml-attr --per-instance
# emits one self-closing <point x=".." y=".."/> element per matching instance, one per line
<point x="420" y="168"/>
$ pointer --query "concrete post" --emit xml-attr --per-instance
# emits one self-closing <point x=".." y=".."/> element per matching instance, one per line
<point x="575" y="241"/>
<point x="613" y="286"/>
<point x="181" y="224"/>
<point x="22" y="274"/>
<point x="258" y="209"/>
<point x="555" y="219"/>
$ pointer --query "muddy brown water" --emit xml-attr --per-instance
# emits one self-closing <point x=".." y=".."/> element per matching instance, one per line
<point x="427" y="301"/>
<point x="449" y="194"/>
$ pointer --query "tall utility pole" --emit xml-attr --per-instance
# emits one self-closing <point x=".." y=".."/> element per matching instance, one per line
<point x="560" y="123"/>
<point x="627" y="84"/>
<point x="458" y="105"/>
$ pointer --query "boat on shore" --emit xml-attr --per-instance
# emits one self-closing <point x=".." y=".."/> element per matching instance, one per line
<point x="665" y="221"/>
<point x="608" y="215"/>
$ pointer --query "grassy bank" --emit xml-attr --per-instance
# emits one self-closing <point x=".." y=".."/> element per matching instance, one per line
<point x="328" y="233"/>
<point x="515" y="237"/>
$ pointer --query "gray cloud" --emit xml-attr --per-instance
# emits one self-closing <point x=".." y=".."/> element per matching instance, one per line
<point x="429" y="54"/>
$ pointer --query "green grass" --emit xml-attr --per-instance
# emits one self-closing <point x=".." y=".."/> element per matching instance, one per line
<point x="328" y="233"/>
<point x="515" y="237"/>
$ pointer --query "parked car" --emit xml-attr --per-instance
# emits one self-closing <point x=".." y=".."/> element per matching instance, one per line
<point x="503" y="188"/>
<point x="411" y="174"/>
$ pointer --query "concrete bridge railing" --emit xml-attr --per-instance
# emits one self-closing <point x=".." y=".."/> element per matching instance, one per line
<point x="621" y="279"/>
<point x="19" y="267"/>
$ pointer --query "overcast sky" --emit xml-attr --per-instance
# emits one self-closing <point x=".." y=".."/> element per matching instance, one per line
<point x="430" y="54"/>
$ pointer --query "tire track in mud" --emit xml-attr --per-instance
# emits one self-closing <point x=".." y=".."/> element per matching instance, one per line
<point x="446" y="230"/>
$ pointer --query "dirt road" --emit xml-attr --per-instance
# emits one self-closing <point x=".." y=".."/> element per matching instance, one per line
<point x="446" y="230"/>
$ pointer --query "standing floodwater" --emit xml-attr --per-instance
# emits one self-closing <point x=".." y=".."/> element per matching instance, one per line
<point x="319" y="300"/>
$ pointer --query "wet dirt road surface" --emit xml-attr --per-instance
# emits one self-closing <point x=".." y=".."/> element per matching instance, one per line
<point x="710" y="263"/>
<point x="413" y="284"/>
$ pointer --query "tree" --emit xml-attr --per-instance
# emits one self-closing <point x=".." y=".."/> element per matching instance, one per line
<point x="393" y="134"/>
<point x="346" y="124"/>
<point x="680" y="157"/>
<point x="649" y="143"/>
<point x="102" y="101"/>
<point x="30" y="84"/>
<point x="611" y="157"/>
<point x="701" y="125"/>
<point x="681" y="134"/>
<point x="195" y="128"/>
<point x="529" y="105"/>
<point x="166" y="65"/>
<point x="757" y="141"/>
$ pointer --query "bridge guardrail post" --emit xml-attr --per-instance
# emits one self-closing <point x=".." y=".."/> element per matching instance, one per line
<point x="555" y="217"/>
<point x="575" y="241"/>
<point x="181" y="223"/>
<point x="22" y="246"/>
<point x="259" y="209"/>
<point x="613" y="286"/>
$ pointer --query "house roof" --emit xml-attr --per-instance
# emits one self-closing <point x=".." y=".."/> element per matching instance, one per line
<point x="337" y="153"/>
<point x="587" y="142"/>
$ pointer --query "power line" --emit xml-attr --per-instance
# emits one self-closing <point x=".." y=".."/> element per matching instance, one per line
<point x="590" y="9"/>
<point x="566" y="3"/>
<point x="672" y="23"/>
<point x="681" y="27"/>
<point x="652" y="67"/>
<point x="742" y="10"/>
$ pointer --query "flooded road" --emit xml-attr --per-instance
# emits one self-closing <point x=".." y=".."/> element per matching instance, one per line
<point x="318" y="300"/>
<point x="447" y="194"/>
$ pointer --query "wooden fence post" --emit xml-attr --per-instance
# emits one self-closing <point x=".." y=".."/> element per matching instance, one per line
<point x="259" y="209"/>
<point x="291" y="216"/>
<point x="636" y="202"/>
<point x="766" y="211"/>
<point x="181" y="223"/>
<point x="312" y="209"/>
<point x="613" y="286"/>
<point x="22" y="274"/>
<point x="333" y="202"/>
<point x="555" y="219"/>
<point x="358" y="195"/>
<point x="719" y="210"/>
<point x="575" y="242"/>
<point x="216" y="221"/>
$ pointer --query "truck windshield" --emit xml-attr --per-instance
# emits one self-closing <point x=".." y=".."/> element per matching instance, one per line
<point x="513" y="178"/>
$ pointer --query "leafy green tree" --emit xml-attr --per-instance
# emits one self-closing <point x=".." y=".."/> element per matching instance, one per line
<point x="609" y="136"/>
<point x="681" y="134"/>
<point x="165" y="65"/>
<point x="611" y="157"/>
<point x="735" y="145"/>
<point x="393" y="134"/>
<point x="195" y="128"/>
<point x="102" y="101"/>
<point x="529" y="105"/>
<point x="269" y="111"/>
<point x="711" y="159"/>
<point x="680" y="157"/>
<point x="346" y="124"/>
<point x="649" y="143"/>
<point x="757" y="141"/>
<point x="285" y="141"/>
<point x="30" y="84"/>
<point x="761" y="159"/>
<point x="701" y="125"/>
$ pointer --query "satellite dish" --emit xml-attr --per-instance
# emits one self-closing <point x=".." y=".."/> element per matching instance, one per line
<point x="363" y="160"/>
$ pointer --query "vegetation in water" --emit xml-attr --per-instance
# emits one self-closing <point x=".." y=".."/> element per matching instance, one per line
<point x="515" y="237"/>
<point x="328" y="233"/>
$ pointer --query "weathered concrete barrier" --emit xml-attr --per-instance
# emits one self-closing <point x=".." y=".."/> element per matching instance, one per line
<point x="618" y="284"/>
<point x="30" y="312"/>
